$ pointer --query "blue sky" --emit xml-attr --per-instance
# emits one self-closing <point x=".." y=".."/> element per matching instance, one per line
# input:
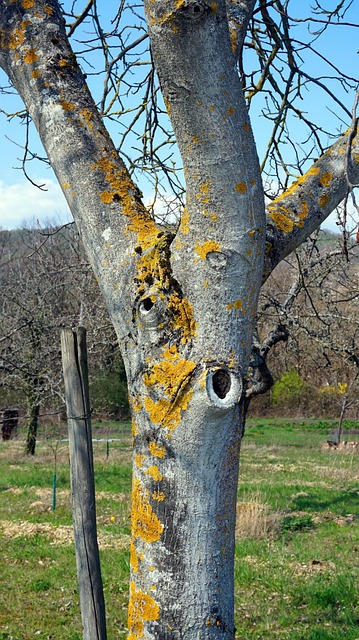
<point x="22" y="203"/>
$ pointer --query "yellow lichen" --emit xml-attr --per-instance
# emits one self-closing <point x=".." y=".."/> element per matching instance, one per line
<point x="123" y="189"/>
<point x="35" y="73"/>
<point x="241" y="187"/>
<point x="170" y="375"/>
<point x="154" y="472"/>
<point x="67" y="105"/>
<point x="141" y="608"/>
<point x="139" y="460"/>
<point x="326" y="178"/>
<point x="282" y="222"/>
<point x="157" y="450"/>
<point x="134" y="560"/>
<point x="159" y="496"/>
<point x="30" y="56"/>
<point x="284" y="219"/>
<point x="106" y="197"/>
<point x="206" y="247"/>
<point x="324" y="200"/>
<point x="17" y="38"/>
<point x="230" y="111"/>
<point x="314" y="171"/>
<point x="27" y="4"/>
<point x="87" y="115"/>
<point x="183" y="317"/>
<point x="134" y="428"/>
<point x="145" y="524"/>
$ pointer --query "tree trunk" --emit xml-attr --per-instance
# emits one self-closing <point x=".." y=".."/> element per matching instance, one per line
<point x="183" y="307"/>
<point x="33" y="410"/>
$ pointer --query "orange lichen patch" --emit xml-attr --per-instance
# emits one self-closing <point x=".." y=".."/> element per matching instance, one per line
<point x="253" y="183"/>
<point x="145" y="524"/>
<point x="284" y="219"/>
<point x="134" y="559"/>
<point x="326" y="178"/>
<point x="87" y="116"/>
<point x="106" y="197"/>
<point x="35" y="73"/>
<point x="170" y="379"/>
<point x="154" y="472"/>
<point x="171" y="353"/>
<point x="205" y="186"/>
<point x="184" y="228"/>
<point x="246" y="127"/>
<point x="324" y="200"/>
<point x="167" y="413"/>
<point x="134" y="428"/>
<point x="48" y="10"/>
<point x="62" y="62"/>
<point x="211" y="108"/>
<point x="237" y="304"/>
<point x="67" y="106"/>
<point x="241" y="187"/>
<point x="136" y="403"/>
<point x="183" y="317"/>
<point x="139" y="460"/>
<point x="230" y="111"/>
<point x="30" y="56"/>
<point x="66" y="185"/>
<point x="314" y="171"/>
<point x="170" y="375"/>
<point x="282" y="222"/>
<point x="195" y="139"/>
<point x="28" y="4"/>
<point x="214" y="7"/>
<point x="206" y="247"/>
<point x="17" y="37"/>
<point x="122" y="187"/>
<point x="157" y="450"/>
<point x="141" y="608"/>
<point x="159" y="496"/>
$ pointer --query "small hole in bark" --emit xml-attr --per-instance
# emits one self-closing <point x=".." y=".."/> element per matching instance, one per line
<point x="147" y="304"/>
<point x="221" y="383"/>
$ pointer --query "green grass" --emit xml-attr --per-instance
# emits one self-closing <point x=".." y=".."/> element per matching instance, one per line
<point x="296" y="571"/>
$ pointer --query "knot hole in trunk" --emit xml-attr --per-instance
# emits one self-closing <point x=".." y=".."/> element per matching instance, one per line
<point x="224" y="387"/>
<point x="221" y="381"/>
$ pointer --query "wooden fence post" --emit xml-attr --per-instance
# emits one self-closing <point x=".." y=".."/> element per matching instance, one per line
<point x="74" y="363"/>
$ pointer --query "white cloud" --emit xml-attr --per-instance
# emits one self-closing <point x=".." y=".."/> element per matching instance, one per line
<point x="22" y="203"/>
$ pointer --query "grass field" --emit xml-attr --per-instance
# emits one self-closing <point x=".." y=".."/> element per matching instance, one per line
<point x="297" y="556"/>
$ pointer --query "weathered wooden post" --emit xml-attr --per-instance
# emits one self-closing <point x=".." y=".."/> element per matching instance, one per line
<point x="74" y="362"/>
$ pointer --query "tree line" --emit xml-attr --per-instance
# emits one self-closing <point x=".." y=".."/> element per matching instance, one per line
<point x="308" y="330"/>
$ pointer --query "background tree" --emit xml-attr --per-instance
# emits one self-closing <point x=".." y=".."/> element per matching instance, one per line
<point x="46" y="282"/>
<point x="183" y="305"/>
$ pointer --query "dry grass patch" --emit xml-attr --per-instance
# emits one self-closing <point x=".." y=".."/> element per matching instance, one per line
<point x="58" y="535"/>
<point x="255" y="519"/>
